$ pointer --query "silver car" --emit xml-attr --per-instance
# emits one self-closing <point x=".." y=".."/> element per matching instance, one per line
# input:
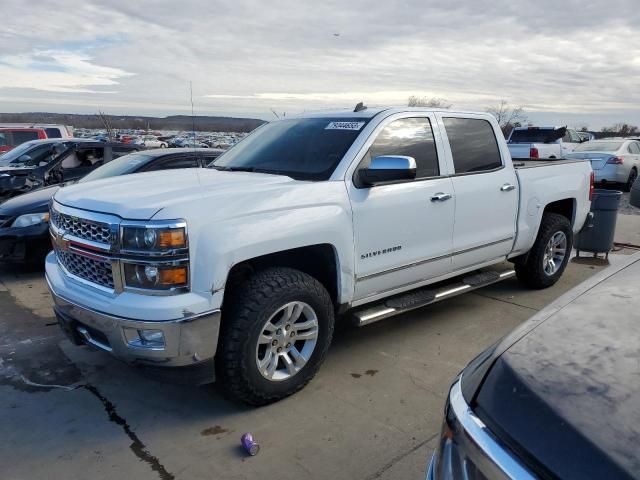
<point x="614" y="160"/>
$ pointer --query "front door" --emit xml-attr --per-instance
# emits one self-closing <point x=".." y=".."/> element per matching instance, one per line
<point x="403" y="230"/>
<point x="486" y="192"/>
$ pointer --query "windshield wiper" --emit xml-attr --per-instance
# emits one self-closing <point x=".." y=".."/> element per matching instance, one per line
<point x="234" y="169"/>
<point x="251" y="169"/>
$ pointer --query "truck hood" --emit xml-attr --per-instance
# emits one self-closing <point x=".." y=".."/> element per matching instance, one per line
<point x="141" y="196"/>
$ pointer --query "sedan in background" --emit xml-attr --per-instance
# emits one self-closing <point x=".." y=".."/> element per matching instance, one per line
<point x="614" y="160"/>
<point x="24" y="220"/>
<point x="556" y="398"/>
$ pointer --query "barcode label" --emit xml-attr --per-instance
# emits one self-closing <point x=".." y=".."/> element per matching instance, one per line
<point x="344" y="126"/>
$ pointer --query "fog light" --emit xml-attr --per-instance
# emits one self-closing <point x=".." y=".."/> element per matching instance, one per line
<point x="145" y="338"/>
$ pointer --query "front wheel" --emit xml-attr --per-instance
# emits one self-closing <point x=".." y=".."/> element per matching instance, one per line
<point x="549" y="255"/>
<point x="276" y="329"/>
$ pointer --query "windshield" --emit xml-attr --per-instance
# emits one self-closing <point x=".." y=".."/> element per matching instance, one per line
<point x="598" y="147"/>
<point x="120" y="166"/>
<point x="535" y="135"/>
<point x="304" y="149"/>
<point x="28" y="154"/>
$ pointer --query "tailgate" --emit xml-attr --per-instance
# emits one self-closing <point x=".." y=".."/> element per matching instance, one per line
<point x="519" y="150"/>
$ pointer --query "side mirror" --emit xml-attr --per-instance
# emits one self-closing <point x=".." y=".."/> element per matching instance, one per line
<point x="388" y="168"/>
<point x="24" y="158"/>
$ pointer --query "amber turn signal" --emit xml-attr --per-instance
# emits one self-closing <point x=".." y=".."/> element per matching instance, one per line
<point x="173" y="276"/>
<point x="174" y="238"/>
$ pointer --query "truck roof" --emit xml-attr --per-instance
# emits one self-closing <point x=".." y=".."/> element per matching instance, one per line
<point x="371" y="112"/>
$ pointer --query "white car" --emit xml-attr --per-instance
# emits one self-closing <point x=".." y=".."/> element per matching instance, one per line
<point x="151" y="141"/>
<point x="246" y="266"/>
<point x="547" y="143"/>
<point x="614" y="160"/>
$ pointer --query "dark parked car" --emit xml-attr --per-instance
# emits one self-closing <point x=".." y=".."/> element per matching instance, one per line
<point x="24" y="220"/>
<point x="40" y="163"/>
<point x="557" y="398"/>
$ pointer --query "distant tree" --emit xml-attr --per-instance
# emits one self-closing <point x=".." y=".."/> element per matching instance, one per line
<point x="507" y="116"/>
<point x="584" y="128"/>
<point x="621" y="130"/>
<point x="434" y="102"/>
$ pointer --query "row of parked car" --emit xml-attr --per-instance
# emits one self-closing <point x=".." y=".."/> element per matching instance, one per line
<point x="33" y="172"/>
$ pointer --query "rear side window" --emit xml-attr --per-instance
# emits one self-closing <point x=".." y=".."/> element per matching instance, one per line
<point x="473" y="145"/>
<point x="411" y="137"/>
<point x="21" y="137"/>
<point x="635" y="148"/>
<point x="53" y="133"/>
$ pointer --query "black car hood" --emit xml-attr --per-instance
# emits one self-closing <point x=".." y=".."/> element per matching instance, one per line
<point x="564" y="390"/>
<point x="7" y="170"/>
<point x="32" y="202"/>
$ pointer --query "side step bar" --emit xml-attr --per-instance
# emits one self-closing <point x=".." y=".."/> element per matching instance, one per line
<point x="421" y="297"/>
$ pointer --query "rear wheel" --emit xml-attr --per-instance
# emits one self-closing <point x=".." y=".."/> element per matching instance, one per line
<point x="633" y="176"/>
<point x="276" y="330"/>
<point x="549" y="255"/>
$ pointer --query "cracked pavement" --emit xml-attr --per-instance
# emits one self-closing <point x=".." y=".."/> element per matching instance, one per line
<point x="373" y="411"/>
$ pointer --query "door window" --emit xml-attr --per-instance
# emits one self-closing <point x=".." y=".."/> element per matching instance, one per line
<point x="473" y="145"/>
<point x="412" y="137"/>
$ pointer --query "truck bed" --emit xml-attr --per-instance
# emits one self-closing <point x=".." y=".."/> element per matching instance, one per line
<point x="533" y="162"/>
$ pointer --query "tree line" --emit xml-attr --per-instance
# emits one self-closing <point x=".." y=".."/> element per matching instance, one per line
<point x="509" y="117"/>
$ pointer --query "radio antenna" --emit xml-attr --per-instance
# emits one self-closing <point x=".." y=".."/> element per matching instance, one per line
<point x="193" y="117"/>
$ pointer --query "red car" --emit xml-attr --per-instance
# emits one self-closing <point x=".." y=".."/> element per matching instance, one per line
<point x="12" y="137"/>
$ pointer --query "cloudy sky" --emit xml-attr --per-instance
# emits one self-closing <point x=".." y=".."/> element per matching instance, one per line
<point x="567" y="62"/>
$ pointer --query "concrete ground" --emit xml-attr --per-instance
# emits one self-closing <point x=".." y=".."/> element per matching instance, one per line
<point x="373" y="411"/>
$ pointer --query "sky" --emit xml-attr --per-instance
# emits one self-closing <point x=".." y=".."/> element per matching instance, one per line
<point x="566" y="62"/>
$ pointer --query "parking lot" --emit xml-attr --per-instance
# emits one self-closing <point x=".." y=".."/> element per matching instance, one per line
<point x="373" y="411"/>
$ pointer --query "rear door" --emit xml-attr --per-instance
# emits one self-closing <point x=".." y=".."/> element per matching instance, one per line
<point x="485" y="189"/>
<point x="403" y="230"/>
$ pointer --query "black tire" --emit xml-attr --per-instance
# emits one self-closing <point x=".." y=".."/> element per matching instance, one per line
<point x="250" y="306"/>
<point x="531" y="271"/>
<point x="633" y="176"/>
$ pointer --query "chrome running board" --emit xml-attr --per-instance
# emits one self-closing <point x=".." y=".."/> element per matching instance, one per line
<point x="422" y="297"/>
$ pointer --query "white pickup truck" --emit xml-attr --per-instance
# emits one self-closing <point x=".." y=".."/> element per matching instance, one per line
<point x="238" y="272"/>
<point x="542" y="142"/>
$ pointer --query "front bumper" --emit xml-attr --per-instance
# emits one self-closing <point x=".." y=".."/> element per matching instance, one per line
<point x="188" y="341"/>
<point x="24" y="244"/>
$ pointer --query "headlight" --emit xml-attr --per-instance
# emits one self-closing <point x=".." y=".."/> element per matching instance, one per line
<point x="156" y="276"/>
<point x="30" y="219"/>
<point x="154" y="238"/>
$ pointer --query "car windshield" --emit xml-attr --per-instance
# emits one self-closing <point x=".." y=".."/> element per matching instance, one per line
<point x="304" y="149"/>
<point x="28" y="154"/>
<point x="598" y="147"/>
<point x="534" y="135"/>
<point x="120" y="166"/>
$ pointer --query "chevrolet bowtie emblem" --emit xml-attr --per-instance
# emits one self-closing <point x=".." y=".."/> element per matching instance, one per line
<point x="61" y="242"/>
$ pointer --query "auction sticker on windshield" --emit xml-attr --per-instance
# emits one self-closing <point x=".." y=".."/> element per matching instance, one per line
<point x="344" y="126"/>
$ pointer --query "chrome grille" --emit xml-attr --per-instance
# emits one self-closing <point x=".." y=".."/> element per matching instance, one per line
<point x="81" y="228"/>
<point x="95" y="271"/>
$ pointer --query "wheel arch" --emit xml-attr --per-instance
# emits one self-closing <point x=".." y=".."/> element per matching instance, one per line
<point x="319" y="261"/>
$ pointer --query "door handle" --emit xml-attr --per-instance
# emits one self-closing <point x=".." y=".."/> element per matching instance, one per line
<point x="507" y="187"/>
<point x="440" y="197"/>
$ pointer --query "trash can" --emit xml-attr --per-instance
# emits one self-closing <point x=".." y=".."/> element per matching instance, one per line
<point x="634" y="198"/>
<point x="599" y="237"/>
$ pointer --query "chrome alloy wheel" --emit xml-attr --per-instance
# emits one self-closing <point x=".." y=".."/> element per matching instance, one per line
<point x="554" y="253"/>
<point x="287" y="341"/>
